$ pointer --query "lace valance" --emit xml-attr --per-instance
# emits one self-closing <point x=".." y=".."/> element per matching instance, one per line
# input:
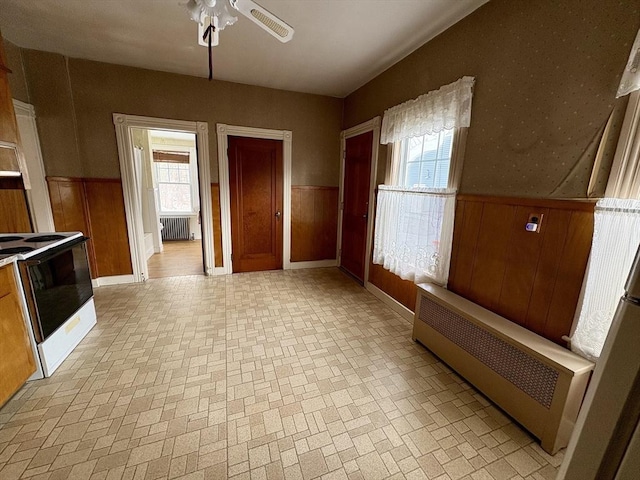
<point x="443" y="109"/>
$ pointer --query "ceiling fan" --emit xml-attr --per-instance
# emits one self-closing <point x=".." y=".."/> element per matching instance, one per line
<point x="214" y="15"/>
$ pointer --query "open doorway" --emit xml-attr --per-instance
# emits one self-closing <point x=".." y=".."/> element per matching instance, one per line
<point x="181" y="168"/>
<point x="166" y="169"/>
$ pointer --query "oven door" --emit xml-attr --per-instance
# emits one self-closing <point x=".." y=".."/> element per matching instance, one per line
<point x="57" y="284"/>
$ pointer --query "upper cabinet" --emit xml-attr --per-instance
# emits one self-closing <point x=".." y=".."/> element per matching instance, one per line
<point x="8" y="125"/>
<point x="14" y="212"/>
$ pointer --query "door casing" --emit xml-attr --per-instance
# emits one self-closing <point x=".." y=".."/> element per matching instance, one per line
<point x="135" y="230"/>
<point x="223" y="133"/>
<point x="374" y="126"/>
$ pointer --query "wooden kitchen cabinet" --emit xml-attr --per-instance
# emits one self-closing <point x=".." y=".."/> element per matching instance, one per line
<point x="8" y="124"/>
<point x="17" y="363"/>
<point x="14" y="210"/>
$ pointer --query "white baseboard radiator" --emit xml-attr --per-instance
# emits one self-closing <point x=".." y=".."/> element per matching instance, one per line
<point x="538" y="383"/>
<point x="175" y="228"/>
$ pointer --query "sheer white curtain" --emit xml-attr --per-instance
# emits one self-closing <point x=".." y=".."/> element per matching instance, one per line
<point x="443" y="109"/>
<point x="414" y="227"/>
<point x="615" y="241"/>
<point x="631" y="76"/>
<point x="414" y="232"/>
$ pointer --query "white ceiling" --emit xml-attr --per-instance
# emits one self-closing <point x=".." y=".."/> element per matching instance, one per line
<point x="338" y="45"/>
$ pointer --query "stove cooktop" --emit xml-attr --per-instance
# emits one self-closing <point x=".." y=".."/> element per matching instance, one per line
<point x="25" y="245"/>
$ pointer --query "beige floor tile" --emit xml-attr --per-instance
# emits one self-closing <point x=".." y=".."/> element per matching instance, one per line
<point x="295" y="375"/>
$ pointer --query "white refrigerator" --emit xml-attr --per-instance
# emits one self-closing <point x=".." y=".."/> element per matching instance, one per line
<point x="606" y="440"/>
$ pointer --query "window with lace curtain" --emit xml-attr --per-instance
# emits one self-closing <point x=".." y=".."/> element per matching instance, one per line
<point x="616" y="236"/>
<point x="416" y="206"/>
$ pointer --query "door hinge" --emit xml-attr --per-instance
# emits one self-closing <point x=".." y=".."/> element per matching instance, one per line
<point x="341" y="205"/>
<point x="232" y="257"/>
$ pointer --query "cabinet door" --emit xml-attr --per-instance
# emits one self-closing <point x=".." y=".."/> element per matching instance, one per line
<point x="16" y="356"/>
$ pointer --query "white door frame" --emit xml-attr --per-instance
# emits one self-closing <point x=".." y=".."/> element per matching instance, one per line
<point x="224" y="131"/>
<point x="372" y="125"/>
<point x="38" y="191"/>
<point x="123" y="124"/>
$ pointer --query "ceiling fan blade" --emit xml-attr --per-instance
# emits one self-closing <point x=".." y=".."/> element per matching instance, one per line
<point x="265" y="19"/>
<point x="202" y="27"/>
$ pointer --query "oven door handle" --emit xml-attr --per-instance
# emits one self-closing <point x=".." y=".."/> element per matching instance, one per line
<point x="49" y="254"/>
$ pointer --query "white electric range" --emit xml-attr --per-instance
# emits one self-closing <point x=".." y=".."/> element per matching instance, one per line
<point x="56" y="292"/>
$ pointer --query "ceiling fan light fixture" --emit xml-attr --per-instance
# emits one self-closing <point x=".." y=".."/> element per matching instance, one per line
<point x="195" y="13"/>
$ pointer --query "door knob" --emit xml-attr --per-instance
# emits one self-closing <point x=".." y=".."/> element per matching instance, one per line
<point x="278" y="214"/>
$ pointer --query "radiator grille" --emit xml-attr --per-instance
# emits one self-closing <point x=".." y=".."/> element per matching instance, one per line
<point x="175" y="228"/>
<point x="525" y="372"/>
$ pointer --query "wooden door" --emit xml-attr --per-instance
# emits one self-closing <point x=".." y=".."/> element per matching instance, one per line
<point x="357" y="171"/>
<point x="255" y="183"/>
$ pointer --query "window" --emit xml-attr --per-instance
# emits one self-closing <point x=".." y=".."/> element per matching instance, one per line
<point x="415" y="209"/>
<point x="424" y="161"/>
<point x="174" y="187"/>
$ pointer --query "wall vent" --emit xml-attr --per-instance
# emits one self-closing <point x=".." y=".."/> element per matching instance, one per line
<point x="540" y="384"/>
<point x="527" y="373"/>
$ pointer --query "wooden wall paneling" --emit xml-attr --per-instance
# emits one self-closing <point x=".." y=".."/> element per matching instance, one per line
<point x="108" y="226"/>
<point x="555" y="233"/>
<point x="70" y="211"/>
<point x="465" y="238"/>
<point x="301" y="224"/>
<point x="533" y="279"/>
<point x="403" y="291"/>
<point x="68" y="204"/>
<point x="314" y="223"/>
<point x="571" y="270"/>
<point x="217" y="224"/>
<point x="521" y="265"/>
<point x="490" y="258"/>
<point x="14" y="214"/>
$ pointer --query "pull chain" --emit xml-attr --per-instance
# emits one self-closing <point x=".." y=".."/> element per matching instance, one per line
<point x="208" y="35"/>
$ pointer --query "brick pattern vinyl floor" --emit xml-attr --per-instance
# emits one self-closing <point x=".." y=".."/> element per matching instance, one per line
<point x="271" y="375"/>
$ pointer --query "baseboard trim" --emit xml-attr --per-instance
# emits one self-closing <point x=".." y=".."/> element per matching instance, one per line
<point x="391" y="302"/>
<point x="113" y="280"/>
<point x="313" y="264"/>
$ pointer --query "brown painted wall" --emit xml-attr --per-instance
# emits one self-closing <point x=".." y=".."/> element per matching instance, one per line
<point x="546" y="75"/>
<point x="92" y="91"/>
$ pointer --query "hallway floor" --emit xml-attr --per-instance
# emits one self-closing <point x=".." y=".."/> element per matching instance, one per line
<point x="297" y="375"/>
<point x="179" y="258"/>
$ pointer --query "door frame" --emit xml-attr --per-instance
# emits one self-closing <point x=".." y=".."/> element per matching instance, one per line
<point x="224" y="131"/>
<point x="135" y="230"/>
<point x="372" y="125"/>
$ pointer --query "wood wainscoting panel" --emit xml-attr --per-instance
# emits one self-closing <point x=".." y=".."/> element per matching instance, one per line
<point x="108" y="226"/>
<point x="403" y="291"/>
<point x="314" y="223"/>
<point x="217" y="224"/>
<point x="533" y="279"/>
<point x="69" y="208"/>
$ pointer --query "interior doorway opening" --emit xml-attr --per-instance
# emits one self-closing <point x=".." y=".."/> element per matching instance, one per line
<point x="166" y="168"/>
<point x="166" y="185"/>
